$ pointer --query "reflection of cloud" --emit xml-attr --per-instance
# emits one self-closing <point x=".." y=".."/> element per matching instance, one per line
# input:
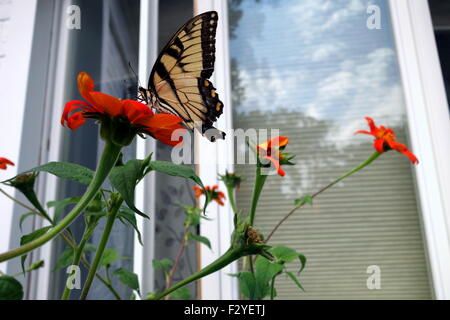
<point x="326" y="51"/>
<point x="318" y="17"/>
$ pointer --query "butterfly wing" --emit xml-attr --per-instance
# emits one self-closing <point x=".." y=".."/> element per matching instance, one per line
<point x="179" y="79"/>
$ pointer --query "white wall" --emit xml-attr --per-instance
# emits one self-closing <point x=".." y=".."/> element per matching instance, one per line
<point x="16" y="32"/>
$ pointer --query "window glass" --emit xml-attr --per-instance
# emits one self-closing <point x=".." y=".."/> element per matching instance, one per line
<point x="314" y="69"/>
<point x="105" y="46"/>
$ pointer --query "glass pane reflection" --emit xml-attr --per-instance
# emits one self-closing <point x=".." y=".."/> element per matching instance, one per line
<point x="313" y="70"/>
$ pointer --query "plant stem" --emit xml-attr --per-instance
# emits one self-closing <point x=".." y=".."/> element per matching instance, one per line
<point x="101" y="247"/>
<point x="272" y="289"/>
<point x="230" y="194"/>
<point x="374" y="156"/>
<point x="67" y="238"/>
<point x="227" y="258"/>
<point x="108" y="160"/>
<point x="77" y="257"/>
<point x="20" y="203"/>
<point x="259" y="184"/>
<point x="178" y="258"/>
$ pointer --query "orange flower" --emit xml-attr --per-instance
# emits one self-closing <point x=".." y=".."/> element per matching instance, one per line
<point x="272" y="151"/>
<point x="4" y="162"/>
<point x="213" y="193"/>
<point x="128" y="116"/>
<point x="385" y="140"/>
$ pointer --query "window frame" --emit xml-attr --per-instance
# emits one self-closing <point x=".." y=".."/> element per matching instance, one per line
<point x="427" y="111"/>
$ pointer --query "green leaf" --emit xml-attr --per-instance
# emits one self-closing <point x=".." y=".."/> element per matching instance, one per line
<point x="60" y="205"/>
<point x="177" y="170"/>
<point x="30" y="237"/>
<point x="284" y="254"/>
<point x="198" y="238"/>
<point x="23" y="217"/>
<point x="308" y="199"/>
<point x="66" y="170"/>
<point x="294" y="278"/>
<point x="109" y="256"/>
<point x="65" y="259"/>
<point x="128" y="278"/>
<point x="182" y="293"/>
<point x="163" y="264"/>
<point x="265" y="271"/>
<point x="10" y="288"/>
<point x="128" y="215"/>
<point x="302" y="259"/>
<point x="247" y="284"/>
<point x="124" y="179"/>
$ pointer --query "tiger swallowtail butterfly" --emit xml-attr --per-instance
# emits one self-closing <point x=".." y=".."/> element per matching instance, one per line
<point x="178" y="82"/>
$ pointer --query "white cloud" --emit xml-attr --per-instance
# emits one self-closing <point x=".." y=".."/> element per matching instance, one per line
<point x="326" y="51"/>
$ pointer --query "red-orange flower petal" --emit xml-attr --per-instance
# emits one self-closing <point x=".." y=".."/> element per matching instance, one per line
<point x="386" y="140"/>
<point x="135" y="111"/>
<point x="404" y="149"/>
<point x="276" y="142"/>
<point x="76" y="120"/>
<point x="4" y="162"/>
<point x="105" y="103"/>
<point x="277" y="165"/>
<point x="85" y="85"/>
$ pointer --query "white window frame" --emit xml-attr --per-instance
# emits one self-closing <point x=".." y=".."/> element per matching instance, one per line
<point x="429" y="129"/>
<point x="214" y="159"/>
<point x="145" y="191"/>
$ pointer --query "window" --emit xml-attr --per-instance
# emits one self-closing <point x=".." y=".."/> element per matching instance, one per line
<point x="313" y="69"/>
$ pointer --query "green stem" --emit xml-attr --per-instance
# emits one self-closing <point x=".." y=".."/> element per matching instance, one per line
<point x="230" y="193"/>
<point x="374" y="156"/>
<point x="69" y="241"/>
<point x="77" y="258"/>
<point x="227" y="258"/>
<point x="272" y="289"/>
<point x="259" y="184"/>
<point x="101" y="247"/>
<point x="108" y="160"/>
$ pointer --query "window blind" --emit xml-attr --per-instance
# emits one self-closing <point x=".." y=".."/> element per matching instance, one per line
<point x="313" y="70"/>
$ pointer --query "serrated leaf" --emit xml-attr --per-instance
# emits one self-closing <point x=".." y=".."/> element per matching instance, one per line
<point x="110" y="256"/>
<point x="128" y="215"/>
<point x="128" y="278"/>
<point x="177" y="170"/>
<point x="124" y="179"/>
<point x="10" y="288"/>
<point x="30" y="237"/>
<point x="182" y="293"/>
<point x="163" y="264"/>
<point x="198" y="238"/>
<point x="66" y="170"/>
<point x="294" y="278"/>
<point x="305" y="199"/>
<point x="23" y="217"/>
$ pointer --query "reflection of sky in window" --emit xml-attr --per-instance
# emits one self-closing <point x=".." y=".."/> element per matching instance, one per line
<point x="317" y="57"/>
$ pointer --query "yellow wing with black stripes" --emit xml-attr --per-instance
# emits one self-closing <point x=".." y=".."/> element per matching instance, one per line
<point x="179" y="82"/>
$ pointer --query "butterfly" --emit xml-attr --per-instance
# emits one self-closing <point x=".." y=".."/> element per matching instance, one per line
<point x="178" y="83"/>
